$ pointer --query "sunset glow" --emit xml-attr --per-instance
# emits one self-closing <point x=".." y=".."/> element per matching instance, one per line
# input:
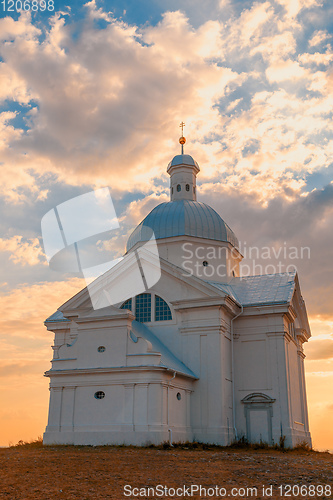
<point x="92" y="96"/>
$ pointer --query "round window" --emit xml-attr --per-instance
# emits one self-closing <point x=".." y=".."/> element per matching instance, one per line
<point x="179" y="396"/>
<point x="99" y="395"/>
<point x="101" y="348"/>
<point x="205" y="263"/>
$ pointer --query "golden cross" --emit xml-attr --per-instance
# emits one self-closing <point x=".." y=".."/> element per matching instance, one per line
<point x="182" y="125"/>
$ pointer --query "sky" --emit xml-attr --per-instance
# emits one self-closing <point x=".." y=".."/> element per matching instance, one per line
<point x="92" y="94"/>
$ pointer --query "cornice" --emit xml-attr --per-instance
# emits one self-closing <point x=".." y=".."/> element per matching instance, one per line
<point x="265" y="309"/>
<point x="226" y="302"/>
<point x="202" y="329"/>
<point x="111" y="370"/>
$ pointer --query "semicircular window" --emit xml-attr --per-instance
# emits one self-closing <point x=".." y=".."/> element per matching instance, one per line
<point x="162" y="310"/>
<point x="127" y="305"/>
<point x="143" y="307"/>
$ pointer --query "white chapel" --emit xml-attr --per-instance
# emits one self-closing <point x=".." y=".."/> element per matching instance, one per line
<point x="201" y="354"/>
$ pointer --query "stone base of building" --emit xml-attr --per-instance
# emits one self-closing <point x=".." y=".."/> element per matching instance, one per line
<point x="221" y="436"/>
<point x="146" y="438"/>
<point x="99" y="438"/>
<point x="296" y="437"/>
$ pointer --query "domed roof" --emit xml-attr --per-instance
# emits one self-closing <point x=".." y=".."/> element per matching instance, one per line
<point x="183" y="218"/>
<point x="183" y="160"/>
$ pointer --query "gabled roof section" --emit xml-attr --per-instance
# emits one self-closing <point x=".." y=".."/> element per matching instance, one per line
<point x="56" y="317"/>
<point x="168" y="359"/>
<point x="82" y="300"/>
<point x="261" y="289"/>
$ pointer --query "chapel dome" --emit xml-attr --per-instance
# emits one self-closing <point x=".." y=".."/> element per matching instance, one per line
<point x="182" y="218"/>
<point x="183" y="160"/>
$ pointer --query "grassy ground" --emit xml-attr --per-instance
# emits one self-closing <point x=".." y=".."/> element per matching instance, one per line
<point x="33" y="472"/>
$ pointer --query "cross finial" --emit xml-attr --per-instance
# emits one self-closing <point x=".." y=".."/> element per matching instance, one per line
<point x="182" y="139"/>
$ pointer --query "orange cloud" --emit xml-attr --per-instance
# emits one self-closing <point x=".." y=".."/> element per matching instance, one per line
<point x="106" y="103"/>
<point x="29" y="305"/>
<point x="23" y="252"/>
<point x="25" y="353"/>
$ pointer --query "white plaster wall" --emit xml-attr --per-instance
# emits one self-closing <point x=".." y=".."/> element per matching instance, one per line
<point x="222" y="258"/>
<point x="182" y="176"/>
<point x="266" y="362"/>
<point x="142" y="406"/>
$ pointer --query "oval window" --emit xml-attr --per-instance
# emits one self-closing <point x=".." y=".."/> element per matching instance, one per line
<point x="179" y="396"/>
<point x="187" y="187"/>
<point x="101" y="348"/>
<point x="99" y="395"/>
<point x="205" y="263"/>
<point x="178" y="187"/>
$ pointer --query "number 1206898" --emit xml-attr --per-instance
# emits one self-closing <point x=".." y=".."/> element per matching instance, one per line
<point x="25" y="5"/>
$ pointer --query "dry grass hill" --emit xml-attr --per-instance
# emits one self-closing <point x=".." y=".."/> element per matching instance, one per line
<point x="33" y="471"/>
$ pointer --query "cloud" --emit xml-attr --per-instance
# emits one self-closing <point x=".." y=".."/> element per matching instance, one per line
<point x="102" y="107"/>
<point x="97" y="13"/>
<point x="28" y="306"/>
<point x="294" y="7"/>
<point x="23" y="252"/>
<point x="320" y="349"/>
<point x="98" y="103"/>
<point x="107" y="102"/>
<point x="20" y="369"/>
<point x="23" y="29"/>
<point x="319" y="37"/>
<point x="285" y="221"/>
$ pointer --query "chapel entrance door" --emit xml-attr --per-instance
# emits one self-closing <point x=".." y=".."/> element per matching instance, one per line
<point x="258" y="414"/>
<point x="259" y="431"/>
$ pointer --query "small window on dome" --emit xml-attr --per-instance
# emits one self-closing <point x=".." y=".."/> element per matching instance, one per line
<point x="205" y="263"/>
<point x="187" y="187"/>
<point x="178" y="187"/>
<point x="101" y="348"/>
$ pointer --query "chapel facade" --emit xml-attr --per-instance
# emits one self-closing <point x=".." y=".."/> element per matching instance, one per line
<point x="201" y="355"/>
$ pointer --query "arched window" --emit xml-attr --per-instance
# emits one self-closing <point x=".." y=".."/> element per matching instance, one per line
<point x="187" y="187"/>
<point x="127" y="305"/>
<point x="178" y="187"/>
<point x="162" y="310"/>
<point x="143" y="307"/>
